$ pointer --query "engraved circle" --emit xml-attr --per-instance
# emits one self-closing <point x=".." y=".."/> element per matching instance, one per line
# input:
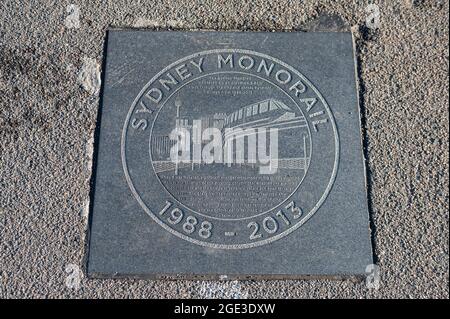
<point x="284" y="233"/>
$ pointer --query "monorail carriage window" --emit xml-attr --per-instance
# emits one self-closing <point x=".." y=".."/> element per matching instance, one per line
<point x="255" y="109"/>
<point x="273" y="106"/>
<point x="264" y="106"/>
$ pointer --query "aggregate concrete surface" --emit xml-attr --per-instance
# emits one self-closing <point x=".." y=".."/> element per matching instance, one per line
<point x="49" y="97"/>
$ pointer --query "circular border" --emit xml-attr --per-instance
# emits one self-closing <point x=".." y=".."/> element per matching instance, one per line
<point x="230" y="219"/>
<point x="232" y="246"/>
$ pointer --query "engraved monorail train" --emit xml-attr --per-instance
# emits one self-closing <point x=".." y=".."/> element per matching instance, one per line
<point x="267" y="114"/>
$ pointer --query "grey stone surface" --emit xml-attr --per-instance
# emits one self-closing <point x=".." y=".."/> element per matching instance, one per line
<point x="305" y="215"/>
<point x="47" y="119"/>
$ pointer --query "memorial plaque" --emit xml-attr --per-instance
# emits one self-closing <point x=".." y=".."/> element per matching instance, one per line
<point x="229" y="155"/>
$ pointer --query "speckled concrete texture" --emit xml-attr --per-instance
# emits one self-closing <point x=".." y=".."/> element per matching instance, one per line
<point x="48" y="109"/>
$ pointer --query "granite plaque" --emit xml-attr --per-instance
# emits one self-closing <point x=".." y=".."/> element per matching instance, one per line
<point x="229" y="155"/>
